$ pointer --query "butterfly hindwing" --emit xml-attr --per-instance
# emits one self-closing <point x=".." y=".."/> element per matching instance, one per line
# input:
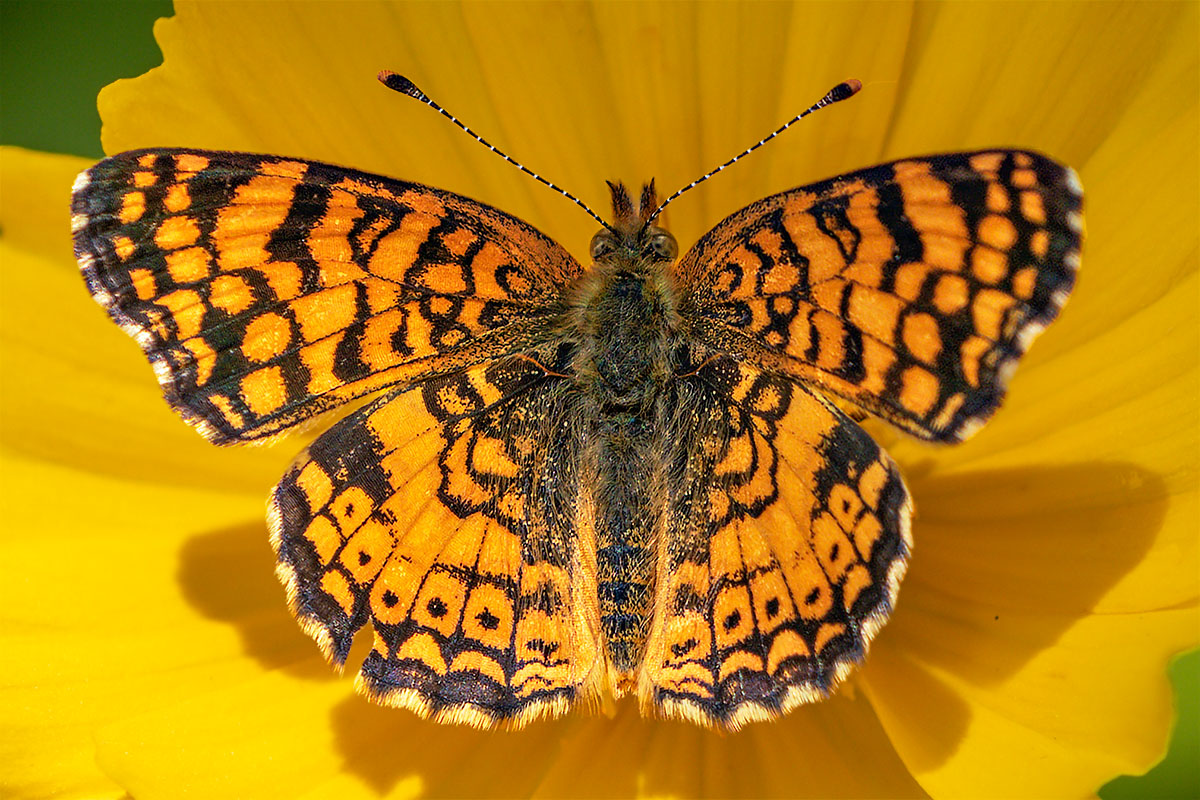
<point x="266" y="290"/>
<point x="785" y="540"/>
<point x="445" y="516"/>
<point x="909" y="288"/>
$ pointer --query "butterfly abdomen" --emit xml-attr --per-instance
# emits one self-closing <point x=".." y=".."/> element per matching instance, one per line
<point x="621" y="366"/>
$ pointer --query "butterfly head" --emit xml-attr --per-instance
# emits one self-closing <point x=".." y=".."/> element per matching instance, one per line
<point x="633" y="236"/>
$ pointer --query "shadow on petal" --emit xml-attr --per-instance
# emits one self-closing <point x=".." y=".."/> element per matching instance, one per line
<point x="228" y="575"/>
<point x="1004" y="563"/>
<point x="835" y="748"/>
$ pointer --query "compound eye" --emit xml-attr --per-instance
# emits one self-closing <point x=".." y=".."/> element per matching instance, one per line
<point x="601" y="245"/>
<point x="663" y="246"/>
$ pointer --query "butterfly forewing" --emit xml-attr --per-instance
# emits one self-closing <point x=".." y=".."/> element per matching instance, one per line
<point x="910" y="288"/>
<point x="266" y="290"/>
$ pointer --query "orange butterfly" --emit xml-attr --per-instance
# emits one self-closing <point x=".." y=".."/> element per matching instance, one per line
<point x="578" y="483"/>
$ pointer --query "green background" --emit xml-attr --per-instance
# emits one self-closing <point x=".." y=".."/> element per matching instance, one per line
<point x="55" y="55"/>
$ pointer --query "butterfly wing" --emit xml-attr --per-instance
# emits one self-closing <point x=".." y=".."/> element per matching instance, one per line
<point x="786" y="537"/>
<point x="267" y="290"/>
<point x="910" y="288"/>
<point x="447" y="517"/>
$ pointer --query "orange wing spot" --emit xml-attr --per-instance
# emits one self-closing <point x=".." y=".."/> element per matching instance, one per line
<point x="833" y="549"/>
<point x="367" y="550"/>
<point x="143" y="283"/>
<point x="718" y="503"/>
<point x="1024" y="178"/>
<point x="946" y="253"/>
<point x="488" y="618"/>
<point x="832" y="337"/>
<point x="458" y="241"/>
<point x="989" y="266"/>
<point x="422" y="647"/>
<point x="446" y="278"/>
<point x="919" y="390"/>
<point x="770" y="243"/>
<point x="440" y="602"/>
<point x="827" y="632"/>
<point x="231" y="294"/>
<point x="329" y="240"/>
<point x="770" y="594"/>
<point x="949" y="409"/>
<point x="378" y="341"/>
<point x="397" y="252"/>
<point x="951" y="294"/>
<point x="1024" y="282"/>
<point x="177" y="198"/>
<point x="267" y="336"/>
<point x="423" y="202"/>
<point x="739" y="660"/>
<point x="845" y="505"/>
<point x="123" y="246"/>
<point x="187" y="311"/>
<point x="1023" y="160"/>
<point x="147" y="160"/>
<point x="1039" y="244"/>
<point x="865" y="534"/>
<point x="189" y="265"/>
<point x="910" y="278"/>
<point x="264" y="390"/>
<point x="231" y="415"/>
<point x="176" y="232"/>
<point x="318" y="358"/>
<point x="479" y="663"/>
<point x="768" y="402"/>
<point x="133" y="205"/>
<point x="334" y="584"/>
<point x="284" y="278"/>
<point x="144" y="179"/>
<point x="971" y="352"/>
<point x="381" y="295"/>
<point x="314" y="481"/>
<point x="484" y="266"/>
<point x="203" y="357"/>
<point x="875" y="313"/>
<point x="856" y="580"/>
<point x="810" y="587"/>
<point x="997" y="198"/>
<point x="285" y="169"/>
<point x="732" y="617"/>
<point x="351" y="508"/>
<point x="788" y="644"/>
<point x="781" y="278"/>
<point x="245" y="226"/>
<point x="825" y="259"/>
<point x="325" y="312"/>
<point x="988" y="311"/>
<point x="877" y="360"/>
<point x="948" y="220"/>
<point x="325" y="538"/>
<point x="987" y="163"/>
<point x="922" y="337"/>
<point x="871" y="482"/>
<point x="997" y="231"/>
<point x="1033" y="208"/>
<point x="190" y="162"/>
<point x="490" y="457"/>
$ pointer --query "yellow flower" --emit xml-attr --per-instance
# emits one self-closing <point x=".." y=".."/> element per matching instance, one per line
<point x="146" y="647"/>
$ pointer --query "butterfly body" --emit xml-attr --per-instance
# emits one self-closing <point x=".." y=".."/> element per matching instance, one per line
<point x="569" y="481"/>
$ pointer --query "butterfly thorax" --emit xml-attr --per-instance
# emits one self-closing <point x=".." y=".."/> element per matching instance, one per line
<point x="626" y="324"/>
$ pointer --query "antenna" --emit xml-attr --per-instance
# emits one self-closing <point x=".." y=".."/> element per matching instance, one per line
<point x="840" y="92"/>
<point x="403" y="85"/>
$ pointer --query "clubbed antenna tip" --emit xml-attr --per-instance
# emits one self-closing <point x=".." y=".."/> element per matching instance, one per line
<point x="397" y="82"/>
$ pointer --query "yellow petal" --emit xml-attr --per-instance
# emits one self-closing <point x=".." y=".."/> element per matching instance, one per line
<point x="108" y="616"/>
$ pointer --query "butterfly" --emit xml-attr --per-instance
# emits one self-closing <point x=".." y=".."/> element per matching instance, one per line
<point x="572" y="483"/>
